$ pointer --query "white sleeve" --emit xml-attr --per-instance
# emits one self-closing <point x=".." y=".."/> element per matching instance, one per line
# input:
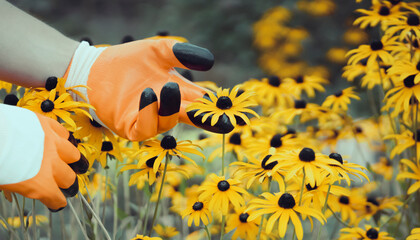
<point x="21" y="144"/>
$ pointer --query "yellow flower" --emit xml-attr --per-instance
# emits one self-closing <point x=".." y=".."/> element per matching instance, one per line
<point x="384" y="168"/>
<point x="317" y="7"/>
<point x="415" y="234"/>
<point x="380" y="13"/>
<point x="404" y="69"/>
<point x="340" y="100"/>
<point x="168" y="146"/>
<point x="235" y="143"/>
<point x="415" y="175"/>
<point x="355" y="70"/>
<point x="401" y="95"/>
<point x="15" y="222"/>
<point x="244" y="229"/>
<point x="337" y="55"/>
<point x="165" y="232"/>
<point x="409" y="26"/>
<point x="341" y="169"/>
<point x="305" y="83"/>
<point x="378" y="50"/>
<point x="306" y="111"/>
<point x="355" y="36"/>
<point x="228" y="107"/>
<point x="196" y="211"/>
<point x="278" y="142"/>
<point x="220" y="192"/>
<point x="367" y="234"/>
<point x="108" y="152"/>
<point x="283" y="207"/>
<point x="6" y="86"/>
<point x="141" y="237"/>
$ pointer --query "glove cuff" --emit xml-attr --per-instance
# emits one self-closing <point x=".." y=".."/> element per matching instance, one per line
<point x="78" y="71"/>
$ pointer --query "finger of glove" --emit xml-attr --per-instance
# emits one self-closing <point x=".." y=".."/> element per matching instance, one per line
<point x="170" y="103"/>
<point x="189" y="90"/>
<point x="72" y="156"/>
<point x="57" y="128"/>
<point x="146" y="125"/>
<point x="184" y="55"/>
<point x="65" y="178"/>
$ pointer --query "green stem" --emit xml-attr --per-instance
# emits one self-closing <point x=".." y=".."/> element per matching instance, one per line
<point x="397" y="212"/>
<point x="222" y="231"/>
<point x="145" y="215"/>
<point x="223" y="154"/>
<point x="95" y="216"/>
<point x="22" y="221"/>
<point x="323" y="209"/>
<point x="77" y="220"/>
<point x="263" y="216"/>
<point x="33" y="219"/>
<point x="208" y="232"/>
<point x="160" y="194"/>
<point x="300" y="197"/>
<point x="338" y="219"/>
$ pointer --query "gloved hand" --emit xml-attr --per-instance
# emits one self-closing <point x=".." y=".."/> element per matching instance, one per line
<point x="134" y="87"/>
<point x="36" y="159"/>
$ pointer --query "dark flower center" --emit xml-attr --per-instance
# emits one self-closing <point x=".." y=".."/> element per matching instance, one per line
<point x="276" y="141"/>
<point x="376" y="45"/>
<point x="95" y="123"/>
<point x="372" y="233"/>
<point x="307" y="155"/>
<point x="336" y="156"/>
<point x="224" y="102"/>
<point x="395" y="2"/>
<point x="359" y="130"/>
<point x="300" y="104"/>
<point x="418" y="135"/>
<point x="198" y="206"/>
<point x="151" y="162"/>
<point x="51" y="83"/>
<point x="344" y="200"/>
<point x="310" y="188"/>
<point x="235" y="139"/>
<point x="168" y="142"/>
<point x="47" y="106"/>
<point x="106" y="146"/>
<point x="299" y="79"/>
<point x="268" y="166"/>
<point x="413" y="20"/>
<point x="338" y="94"/>
<point x="223" y="185"/>
<point x="418" y="66"/>
<point x="202" y="136"/>
<point x="409" y="81"/>
<point x="274" y="81"/>
<point x="286" y="201"/>
<point x="373" y="200"/>
<point x="243" y="217"/>
<point x="384" y="11"/>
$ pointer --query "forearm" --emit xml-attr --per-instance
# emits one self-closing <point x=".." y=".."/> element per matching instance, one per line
<point x="30" y="50"/>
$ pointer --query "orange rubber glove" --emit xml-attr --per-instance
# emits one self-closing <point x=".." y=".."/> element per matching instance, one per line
<point x="134" y="87"/>
<point x="36" y="158"/>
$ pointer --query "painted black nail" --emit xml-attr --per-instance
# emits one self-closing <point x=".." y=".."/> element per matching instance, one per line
<point x="193" y="57"/>
<point x="170" y="99"/>
<point x="187" y="74"/>
<point x="55" y="210"/>
<point x="148" y="96"/>
<point x="223" y="125"/>
<point x="81" y="166"/>
<point x="11" y="99"/>
<point x="127" y="38"/>
<point x="72" y="190"/>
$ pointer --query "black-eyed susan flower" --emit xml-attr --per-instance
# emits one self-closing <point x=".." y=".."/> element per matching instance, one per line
<point x="413" y="174"/>
<point x="415" y="234"/>
<point x="401" y="95"/>
<point x="141" y="237"/>
<point x="380" y="13"/>
<point x="340" y="100"/>
<point x="61" y="107"/>
<point x="379" y="77"/>
<point x="342" y="168"/>
<point x="260" y="170"/>
<point x="305" y="83"/>
<point x="282" y="207"/>
<point x="383" y="167"/>
<point x="344" y="204"/>
<point x="244" y="229"/>
<point x="28" y="221"/>
<point x="220" y="192"/>
<point x="235" y="143"/>
<point x="317" y="7"/>
<point x="279" y="142"/>
<point x="196" y="212"/>
<point x="405" y="26"/>
<point x="167" y="146"/>
<point x="233" y="105"/>
<point x="6" y="86"/>
<point x="165" y="231"/>
<point x="108" y="152"/>
<point x="372" y="205"/>
<point x="364" y="234"/>
<point x="355" y="36"/>
<point x="305" y="161"/>
<point x="405" y="68"/>
<point x="306" y="111"/>
<point x="377" y="50"/>
<point x="353" y="71"/>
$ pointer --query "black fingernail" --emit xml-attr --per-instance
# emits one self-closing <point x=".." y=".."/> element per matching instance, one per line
<point x="73" y="140"/>
<point x="11" y="99"/>
<point x="148" y="96"/>
<point x="81" y="166"/>
<point x="170" y="99"/>
<point x="51" y="83"/>
<point x="72" y="190"/>
<point x="223" y="125"/>
<point x="127" y="38"/>
<point x="52" y="210"/>
<point x="193" y="57"/>
<point x="187" y="74"/>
